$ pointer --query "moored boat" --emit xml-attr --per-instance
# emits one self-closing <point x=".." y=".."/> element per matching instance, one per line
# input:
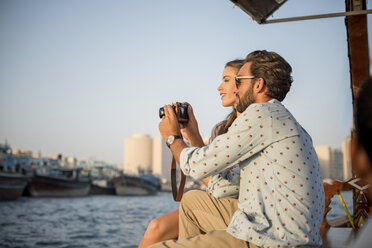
<point x="13" y="176"/>
<point x="102" y="187"/>
<point x="12" y="185"/>
<point x="136" y="185"/>
<point x="60" y="183"/>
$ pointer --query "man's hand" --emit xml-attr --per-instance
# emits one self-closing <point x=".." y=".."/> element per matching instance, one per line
<point x="169" y="126"/>
<point x="169" y="123"/>
<point x="190" y="130"/>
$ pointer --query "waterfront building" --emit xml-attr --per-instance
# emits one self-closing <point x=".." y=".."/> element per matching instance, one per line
<point x="21" y="153"/>
<point x="17" y="159"/>
<point x="61" y="161"/>
<point x="331" y="162"/>
<point x="71" y="162"/>
<point x="161" y="158"/>
<point x="138" y="154"/>
<point x="347" y="173"/>
<point x="144" y="154"/>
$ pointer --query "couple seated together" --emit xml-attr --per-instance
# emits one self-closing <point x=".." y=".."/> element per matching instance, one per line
<point x="265" y="187"/>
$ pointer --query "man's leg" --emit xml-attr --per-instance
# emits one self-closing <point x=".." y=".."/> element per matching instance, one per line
<point x="200" y="213"/>
<point x="215" y="239"/>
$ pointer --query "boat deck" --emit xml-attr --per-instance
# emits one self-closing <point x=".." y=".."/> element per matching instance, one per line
<point x="339" y="237"/>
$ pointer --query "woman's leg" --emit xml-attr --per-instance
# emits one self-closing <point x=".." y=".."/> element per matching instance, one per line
<point x="162" y="228"/>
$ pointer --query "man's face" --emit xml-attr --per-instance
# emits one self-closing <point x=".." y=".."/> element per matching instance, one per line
<point x="245" y="90"/>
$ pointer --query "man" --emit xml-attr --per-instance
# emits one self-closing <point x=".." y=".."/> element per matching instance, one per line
<point x="361" y="152"/>
<point x="281" y="197"/>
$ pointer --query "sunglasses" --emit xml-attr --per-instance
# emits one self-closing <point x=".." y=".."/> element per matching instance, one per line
<point x="238" y="78"/>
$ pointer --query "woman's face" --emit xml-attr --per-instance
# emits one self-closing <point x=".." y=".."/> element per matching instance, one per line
<point x="227" y="87"/>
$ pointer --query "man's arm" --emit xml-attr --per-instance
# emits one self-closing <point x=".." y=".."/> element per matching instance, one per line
<point x="225" y="184"/>
<point x="169" y="126"/>
<point x="190" y="130"/>
<point x="250" y="133"/>
<point x="176" y="148"/>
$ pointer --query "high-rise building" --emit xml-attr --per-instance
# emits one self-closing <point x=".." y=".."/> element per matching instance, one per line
<point x="331" y="162"/>
<point x="143" y="154"/>
<point x="138" y="154"/>
<point x="347" y="173"/>
<point x="161" y="158"/>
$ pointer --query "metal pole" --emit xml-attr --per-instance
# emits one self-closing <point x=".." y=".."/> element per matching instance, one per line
<point x="302" y="18"/>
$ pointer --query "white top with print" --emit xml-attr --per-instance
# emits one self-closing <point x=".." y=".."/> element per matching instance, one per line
<point x="226" y="183"/>
<point x="281" y="197"/>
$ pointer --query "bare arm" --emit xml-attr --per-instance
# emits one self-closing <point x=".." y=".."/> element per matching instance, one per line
<point x="170" y="126"/>
<point x="190" y="130"/>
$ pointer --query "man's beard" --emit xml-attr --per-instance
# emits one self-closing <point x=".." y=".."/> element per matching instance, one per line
<point x="245" y="100"/>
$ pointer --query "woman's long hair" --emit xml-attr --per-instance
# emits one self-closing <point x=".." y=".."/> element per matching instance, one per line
<point x="224" y="126"/>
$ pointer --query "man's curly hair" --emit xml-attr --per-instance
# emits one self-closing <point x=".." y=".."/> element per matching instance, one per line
<point x="275" y="71"/>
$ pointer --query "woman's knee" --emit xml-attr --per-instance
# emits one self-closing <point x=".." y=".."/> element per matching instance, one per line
<point x="156" y="227"/>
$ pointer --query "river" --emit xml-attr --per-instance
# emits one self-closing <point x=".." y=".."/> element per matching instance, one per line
<point x="92" y="221"/>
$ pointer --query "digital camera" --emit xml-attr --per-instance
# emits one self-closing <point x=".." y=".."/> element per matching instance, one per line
<point x="180" y="109"/>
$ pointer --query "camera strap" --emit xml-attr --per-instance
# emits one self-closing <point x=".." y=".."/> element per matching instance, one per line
<point x="177" y="191"/>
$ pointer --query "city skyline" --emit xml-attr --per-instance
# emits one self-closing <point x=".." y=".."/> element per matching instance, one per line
<point x="146" y="154"/>
<point x="78" y="77"/>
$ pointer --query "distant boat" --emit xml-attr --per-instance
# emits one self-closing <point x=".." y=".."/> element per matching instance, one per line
<point x="136" y="185"/>
<point x="102" y="187"/>
<point x="12" y="185"/>
<point x="13" y="177"/>
<point x="59" y="183"/>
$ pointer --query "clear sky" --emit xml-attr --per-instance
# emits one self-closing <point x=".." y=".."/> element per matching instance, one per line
<point x="79" y="76"/>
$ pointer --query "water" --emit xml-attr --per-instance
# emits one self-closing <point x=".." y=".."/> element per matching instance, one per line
<point x="336" y="207"/>
<point x="93" y="221"/>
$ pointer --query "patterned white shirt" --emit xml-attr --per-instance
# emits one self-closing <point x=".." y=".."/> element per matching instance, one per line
<point x="281" y="197"/>
<point x="226" y="183"/>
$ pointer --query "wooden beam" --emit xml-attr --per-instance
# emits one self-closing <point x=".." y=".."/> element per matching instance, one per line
<point x="311" y="17"/>
<point x="357" y="39"/>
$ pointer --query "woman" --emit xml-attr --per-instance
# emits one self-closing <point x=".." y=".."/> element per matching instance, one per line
<point x="222" y="185"/>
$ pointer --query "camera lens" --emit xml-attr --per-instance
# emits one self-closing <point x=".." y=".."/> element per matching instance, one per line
<point x="161" y="112"/>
